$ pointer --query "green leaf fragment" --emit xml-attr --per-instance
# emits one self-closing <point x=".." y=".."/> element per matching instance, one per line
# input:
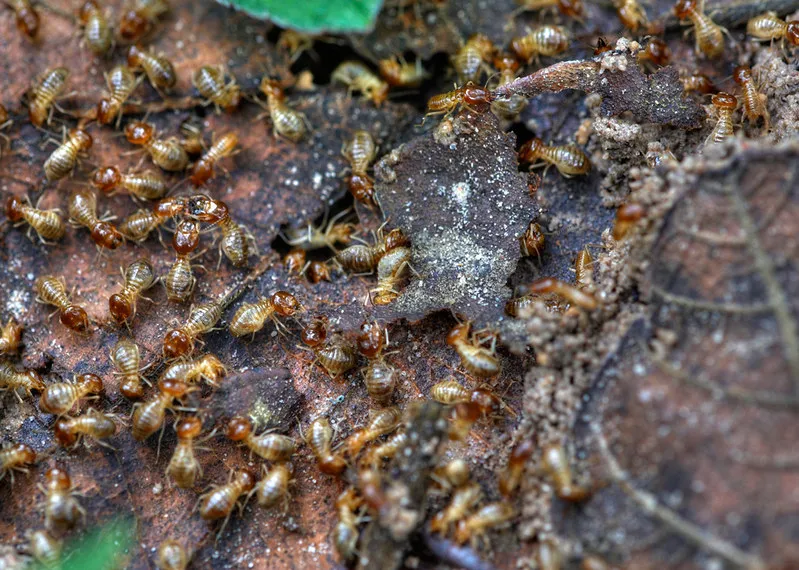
<point x="313" y="16"/>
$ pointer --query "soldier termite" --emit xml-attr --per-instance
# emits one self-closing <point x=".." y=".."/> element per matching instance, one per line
<point x="477" y="359"/>
<point x="474" y="527"/>
<point x="544" y="40"/>
<point x="93" y="424"/>
<point x="219" y="501"/>
<point x="61" y="397"/>
<point x="96" y="31"/>
<point x="570" y="160"/>
<point x="139" y="276"/>
<point x="83" y="212"/>
<point x="754" y="102"/>
<point x="207" y="367"/>
<point x="210" y="83"/>
<point x="146" y="185"/>
<point x="180" y="280"/>
<point x="10" y="337"/>
<point x="15" y="457"/>
<point x="202" y="318"/>
<point x="357" y="77"/>
<point x="626" y="217"/>
<point x="46" y="89"/>
<point x="61" y="509"/>
<point x="286" y="122"/>
<point x="148" y="417"/>
<point x="52" y="290"/>
<point x="63" y="160"/>
<point x="183" y="466"/>
<point x="165" y="153"/>
<point x="319" y="437"/>
<point x="360" y="151"/>
<point x="549" y="285"/>
<point x="250" y="317"/>
<point x="473" y="58"/>
<point x="510" y="478"/>
<point x="709" y="35"/>
<point x="203" y="169"/>
<point x="274" y="486"/>
<point x="725" y="105"/>
<point x="271" y="446"/>
<point x="16" y="380"/>
<point x="139" y="16"/>
<point x="159" y="69"/>
<point x="381" y="422"/>
<point x="48" y="224"/>
<point x="126" y="358"/>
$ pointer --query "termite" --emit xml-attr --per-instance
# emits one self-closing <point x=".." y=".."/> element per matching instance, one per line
<point x="449" y="392"/>
<point x="697" y="82"/>
<point x="631" y="14"/>
<point x="508" y="66"/>
<point x="474" y="527"/>
<point x="709" y="35"/>
<point x="549" y="285"/>
<point x="769" y="27"/>
<point x="472" y="59"/>
<point x="210" y="83"/>
<point x="52" y="290"/>
<point x="271" y="446"/>
<point x="274" y="486"/>
<point x="83" y="212"/>
<point x="399" y="73"/>
<point x="180" y="280"/>
<point x="286" y="122"/>
<point x="237" y="243"/>
<point x="202" y="318"/>
<point x="626" y="217"/>
<point x="219" y="501"/>
<point x="139" y="276"/>
<point x="159" y="69"/>
<point x="470" y="96"/>
<point x="345" y="533"/>
<point x="61" y="397"/>
<point x="655" y="51"/>
<point x="26" y="16"/>
<point x="165" y="153"/>
<point x="139" y="224"/>
<point x="325" y="236"/>
<point x="183" y="466"/>
<point x="532" y="241"/>
<point x="510" y="478"/>
<point x="754" y="102"/>
<point x="61" y="509"/>
<point x="725" y="105"/>
<point x="464" y="499"/>
<point x="556" y="465"/>
<point x="96" y="31"/>
<point x="126" y="359"/>
<point x="203" y="169"/>
<point x="390" y="275"/>
<point x="477" y="359"/>
<point x="47" y="224"/>
<point x="45" y="549"/>
<point x="10" y="336"/>
<point x="362" y="258"/>
<point x="146" y="185"/>
<point x="381" y="422"/>
<point x="207" y="367"/>
<point x="360" y="151"/>
<point x="63" y="160"/>
<point x="15" y="380"/>
<point x="357" y="77"/>
<point x="15" y="457"/>
<point x="584" y="271"/>
<point x="148" y="417"/>
<point x="46" y="89"/>
<point x="319" y="437"/>
<point x="96" y="425"/>
<point x="172" y="556"/>
<point x="544" y="40"/>
<point x="139" y="16"/>
<point x="569" y="8"/>
<point x="335" y="354"/>
<point x="250" y="317"/>
<point x="386" y="450"/>
<point x="570" y="160"/>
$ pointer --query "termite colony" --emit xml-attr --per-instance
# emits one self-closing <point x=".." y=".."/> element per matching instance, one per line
<point x="173" y="380"/>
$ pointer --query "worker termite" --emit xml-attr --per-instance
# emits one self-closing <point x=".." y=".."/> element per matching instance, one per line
<point x="45" y="90"/>
<point x="357" y="77"/>
<point x="319" y="437"/>
<point x="63" y="160"/>
<point x="207" y="367"/>
<point x="52" y="290"/>
<point x="286" y="122"/>
<point x="271" y="446"/>
<point x="473" y="58"/>
<point x="549" y="285"/>
<point x="768" y="26"/>
<point x="294" y="261"/>
<point x="45" y="549"/>
<point x="471" y="96"/>
<point x="47" y="223"/>
<point x="15" y="457"/>
<point x="146" y="185"/>
<point x="236" y="241"/>
<point x="508" y="66"/>
<point x="250" y="317"/>
<point x="360" y="151"/>
<point x="14" y="380"/>
<point x="139" y="17"/>
<point x="381" y="422"/>
<point x="159" y="69"/>
<point x="532" y="241"/>
<point x="172" y="556"/>
<point x="219" y="501"/>
<point x="209" y="81"/>
<point x="148" y="417"/>
<point x="510" y="478"/>
<point x="126" y="359"/>
<point x="274" y="486"/>
<point x="139" y="224"/>
<point x="165" y="153"/>
<point x="474" y="527"/>
<point x="584" y="271"/>
<point x="61" y="509"/>
<point x="399" y="73"/>
<point x="96" y="425"/>
<point x="697" y="82"/>
<point x="335" y="354"/>
<point x="544" y="40"/>
<point x="570" y="160"/>
<point x="183" y="466"/>
<point x="139" y="276"/>
<point x="96" y="31"/>
<point x="555" y="464"/>
<point x="463" y="499"/>
<point x="725" y="105"/>
<point x="631" y="14"/>
<point x="477" y="359"/>
<point x="754" y="103"/>
<point x="180" y="280"/>
<point x="10" y="337"/>
<point x="362" y="258"/>
<point x="709" y="35"/>
<point x="203" y="169"/>
<point x="83" y="212"/>
<point x="345" y="533"/>
<point x="656" y="51"/>
<point x="202" y="318"/>
<point x="626" y="217"/>
<point x="449" y="392"/>
<point x="390" y="275"/>
<point x="327" y="235"/>
<point x="569" y="8"/>
<point x="27" y="18"/>
<point x="61" y="397"/>
<point x="379" y="377"/>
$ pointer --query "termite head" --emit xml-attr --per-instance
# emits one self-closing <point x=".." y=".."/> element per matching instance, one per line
<point x="177" y="343"/>
<point x="174" y="388"/>
<point x="285" y="304"/>
<point x="792" y="33"/>
<point x="139" y="133"/>
<point x="106" y="235"/>
<point x="530" y="150"/>
<point x="742" y="75"/>
<point x="315" y="333"/>
<point x="57" y="479"/>
<point x="14" y="209"/>
<point x="395" y="238"/>
<point x="271" y="88"/>
<point x="75" y="318"/>
<point x="238" y="429"/>
<point x="371" y="340"/>
<point x="684" y="8"/>
<point x="81" y="138"/>
<point x="86" y="10"/>
<point x="186" y="237"/>
<point x="458" y="334"/>
<point x="106" y="179"/>
<point x="189" y="428"/>
<point x="725" y="101"/>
